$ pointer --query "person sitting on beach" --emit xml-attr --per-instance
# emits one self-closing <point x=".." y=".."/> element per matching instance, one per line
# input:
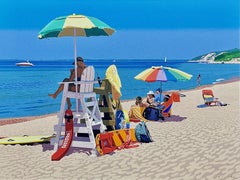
<point x="150" y="99"/>
<point x="72" y="87"/>
<point x="158" y="96"/>
<point x="136" y="110"/>
<point x="165" y="99"/>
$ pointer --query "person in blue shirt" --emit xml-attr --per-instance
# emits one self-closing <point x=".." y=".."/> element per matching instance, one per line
<point x="158" y="96"/>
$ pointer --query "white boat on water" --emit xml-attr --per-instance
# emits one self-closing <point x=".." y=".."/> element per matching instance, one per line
<point x="26" y="63"/>
<point x="165" y="59"/>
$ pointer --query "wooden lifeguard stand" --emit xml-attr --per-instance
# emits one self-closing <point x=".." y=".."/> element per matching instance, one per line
<point x="87" y="116"/>
<point x="108" y="102"/>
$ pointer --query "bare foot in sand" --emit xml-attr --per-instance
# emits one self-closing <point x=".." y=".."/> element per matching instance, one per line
<point x="52" y="95"/>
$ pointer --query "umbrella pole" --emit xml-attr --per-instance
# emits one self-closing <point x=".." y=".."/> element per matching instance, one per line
<point x="160" y="90"/>
<point x="75" y="64"/>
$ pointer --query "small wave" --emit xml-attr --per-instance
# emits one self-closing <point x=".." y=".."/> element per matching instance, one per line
<point x="220" y="79"/>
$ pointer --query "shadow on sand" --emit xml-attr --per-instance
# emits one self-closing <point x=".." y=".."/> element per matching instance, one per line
<point x="72" y="150"/>
<point x="173" y="118"/>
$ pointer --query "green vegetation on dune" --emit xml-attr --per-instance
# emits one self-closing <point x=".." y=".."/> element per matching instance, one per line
<point x="228" y="56"/>
<point x="220" y="56"/>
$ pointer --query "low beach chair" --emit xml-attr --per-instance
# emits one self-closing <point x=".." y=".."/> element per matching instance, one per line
<point x="167" y="110"/>
<point x="209" y="98"/>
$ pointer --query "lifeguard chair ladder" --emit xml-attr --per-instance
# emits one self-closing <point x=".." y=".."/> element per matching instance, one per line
<point x="87" y="116"/>
<point x="107" y="105"/>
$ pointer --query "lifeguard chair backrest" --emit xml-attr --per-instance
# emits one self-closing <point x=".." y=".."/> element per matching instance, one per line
<point x="208" y="92"/>
<point x="87" y="76"/>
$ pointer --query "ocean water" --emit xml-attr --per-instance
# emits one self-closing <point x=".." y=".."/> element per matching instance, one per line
<point x="24" y="90"/>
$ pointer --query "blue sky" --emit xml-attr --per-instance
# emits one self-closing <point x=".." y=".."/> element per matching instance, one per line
<point x="176" y="29"/>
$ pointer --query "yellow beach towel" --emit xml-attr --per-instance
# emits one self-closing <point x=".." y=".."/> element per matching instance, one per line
<point x="113" y="78"/>
<point x="136" y="113"/>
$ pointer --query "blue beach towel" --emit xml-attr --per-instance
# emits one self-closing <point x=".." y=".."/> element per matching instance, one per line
<point x="202" y="106"/>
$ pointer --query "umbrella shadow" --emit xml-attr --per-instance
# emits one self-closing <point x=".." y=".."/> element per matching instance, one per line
<point x="174" y="118"/>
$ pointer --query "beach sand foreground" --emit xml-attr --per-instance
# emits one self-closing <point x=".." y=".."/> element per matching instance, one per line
<point x="195" y="143"/>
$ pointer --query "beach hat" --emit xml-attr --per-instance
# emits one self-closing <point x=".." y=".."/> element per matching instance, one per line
<point x="150" y="92"/>
<point x="158" y="89"/>
<point x="78" y="59"/>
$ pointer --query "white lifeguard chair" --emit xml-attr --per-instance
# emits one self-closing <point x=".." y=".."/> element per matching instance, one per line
<point x="87" y="116"/>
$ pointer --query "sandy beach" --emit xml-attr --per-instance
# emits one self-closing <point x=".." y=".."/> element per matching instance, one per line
<point x="194" y="143"/>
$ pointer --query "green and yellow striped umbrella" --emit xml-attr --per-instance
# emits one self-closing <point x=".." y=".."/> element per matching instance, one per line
<point x="75" y="25"/>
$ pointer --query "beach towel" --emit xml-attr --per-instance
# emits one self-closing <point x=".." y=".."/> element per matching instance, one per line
<point x="114" y="80"/>
<point x="136" y="112"/>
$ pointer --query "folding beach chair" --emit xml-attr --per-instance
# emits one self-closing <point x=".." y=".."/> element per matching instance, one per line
<point x="167" y="110"/>
<point x="209" y="98"/>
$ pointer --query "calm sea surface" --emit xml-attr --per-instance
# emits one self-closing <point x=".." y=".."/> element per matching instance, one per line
<point x="23" y="90"/>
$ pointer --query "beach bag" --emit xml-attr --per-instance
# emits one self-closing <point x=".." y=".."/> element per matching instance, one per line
<point x="142" y="133"/>
<point x="151" y="113"/>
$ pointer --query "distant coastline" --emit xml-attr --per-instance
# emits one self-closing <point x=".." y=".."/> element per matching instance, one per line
<point x="211" y="61"/>
<point x="231" y="56"/>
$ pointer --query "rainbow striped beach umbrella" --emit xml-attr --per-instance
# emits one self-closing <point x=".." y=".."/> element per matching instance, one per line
<point x="75" y="25"/>
<point x="162" y="74"/>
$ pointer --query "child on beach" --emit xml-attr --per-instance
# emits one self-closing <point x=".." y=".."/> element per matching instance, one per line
<point x="80" y="67"/>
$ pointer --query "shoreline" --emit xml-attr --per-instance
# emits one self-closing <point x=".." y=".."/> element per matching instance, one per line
<point x="14" y="120"/>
